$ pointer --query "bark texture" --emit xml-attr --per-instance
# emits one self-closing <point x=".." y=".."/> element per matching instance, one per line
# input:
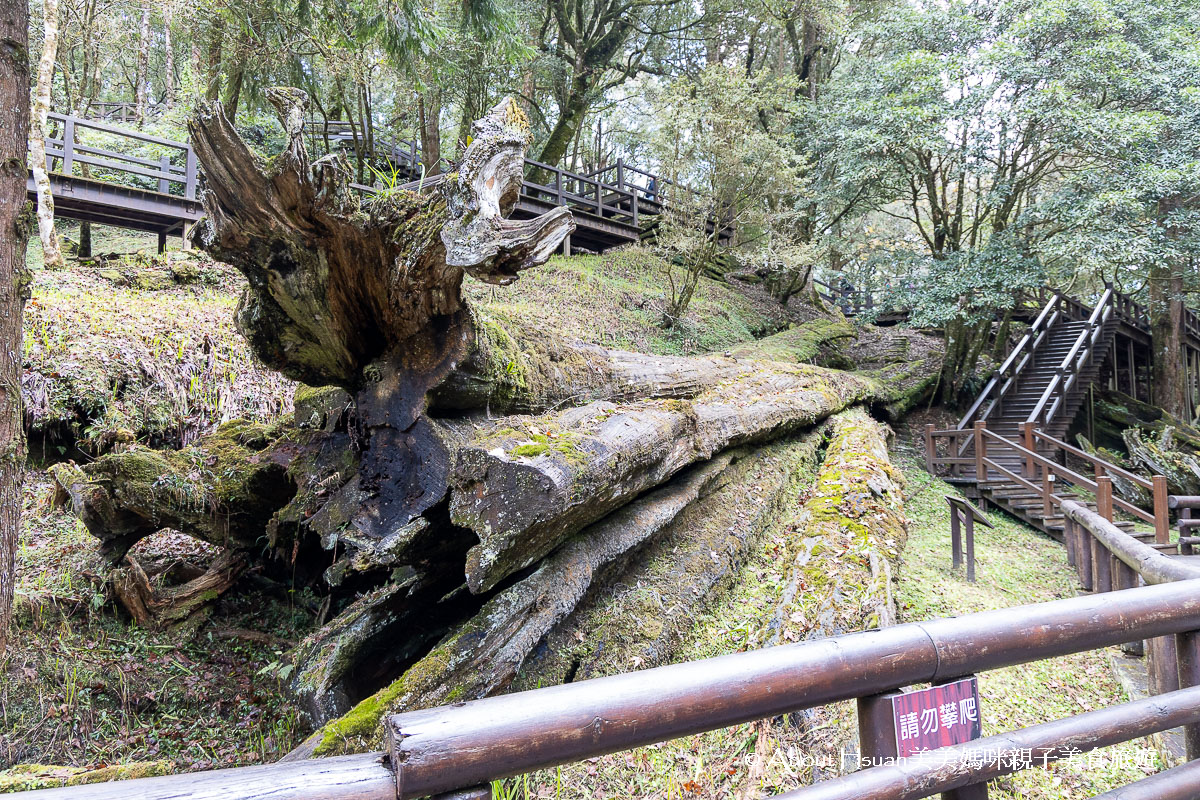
<point x="14" y="286"/>
<point x="158" y="608"/>
<point x="52" y="257"/>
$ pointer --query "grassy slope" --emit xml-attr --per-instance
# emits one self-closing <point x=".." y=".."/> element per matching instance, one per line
<point x="1014" y="565"/>
<point x="616" y="300"/>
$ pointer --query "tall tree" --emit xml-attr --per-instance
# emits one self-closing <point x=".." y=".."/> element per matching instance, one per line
<point x="14" y="99"/>
<point x="599" y="44"/>
<point x="142" y="76"/>
<point x="168" y="57"/>
<point x="52" y="251"/>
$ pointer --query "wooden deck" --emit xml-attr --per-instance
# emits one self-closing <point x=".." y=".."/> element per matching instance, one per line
<point x="150" y="185"/>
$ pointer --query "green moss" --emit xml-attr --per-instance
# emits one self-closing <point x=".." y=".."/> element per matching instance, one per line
<point x="531" y="449"/>
<point x="27" y="777"/>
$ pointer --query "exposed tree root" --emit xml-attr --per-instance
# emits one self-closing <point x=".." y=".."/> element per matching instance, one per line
<point x="173" y="606"/>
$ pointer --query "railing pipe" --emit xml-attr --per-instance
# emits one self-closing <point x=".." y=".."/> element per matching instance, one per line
<point x="359" y="777"/>
<point x="949" y="768"/>
<point x="1177" y="783"/>
<point x="1154" y="566"/>
<point x="441" y="749"/>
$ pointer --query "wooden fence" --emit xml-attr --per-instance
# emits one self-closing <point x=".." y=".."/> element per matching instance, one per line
<point x="173" y="172"/>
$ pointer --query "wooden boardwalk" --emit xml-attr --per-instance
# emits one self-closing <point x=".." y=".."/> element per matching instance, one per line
<point x="114" y="176"/>
<point x="103" y="173"/>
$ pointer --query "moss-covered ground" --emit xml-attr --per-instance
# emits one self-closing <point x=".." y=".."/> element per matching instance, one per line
<point x="1014" y="565"/>
<point x="136" y="346"/>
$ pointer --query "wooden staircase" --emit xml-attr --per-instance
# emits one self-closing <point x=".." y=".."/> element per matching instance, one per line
<point x="1045" y="378"/>
<point x="1009" y="448"/>
<point x="1023" y="400"/>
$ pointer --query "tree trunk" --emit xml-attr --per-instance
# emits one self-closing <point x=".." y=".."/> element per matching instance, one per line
<point x="216" y="39"/>
<point x="168" y="56"/>
<point x="142" y="75"/>
<point x="157" y="609"/>
<point x="429" y="112"/>
<point x="233" y="91"/>
<point x="85" y="240"/>
<point x="570" y="117"/>
<point x="14" y="288"/>
<point x="51" y="249"/>
<point x="1169" y="379"/>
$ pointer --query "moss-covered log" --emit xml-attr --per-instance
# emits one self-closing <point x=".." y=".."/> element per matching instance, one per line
<point x="174" y="606"/>
<point x="523" y="490"/>
<point x="683" y="572"/>
<point x="529" y="371"/>
<point x="484" y="654"/>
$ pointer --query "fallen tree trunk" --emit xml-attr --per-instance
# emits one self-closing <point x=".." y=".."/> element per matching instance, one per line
<point x="483" y="654"/>
<point x="395" y="490"/>
<point x="523" y="495"/>
<point x="653" y="607"/>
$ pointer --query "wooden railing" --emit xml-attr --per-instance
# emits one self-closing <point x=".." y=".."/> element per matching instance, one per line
<point x="1043" y="460"/>
<point x="462" y="747"/>
<point x="580" y="192"/>
<point x="174" y="171"/>
<point x="1082" y="351"/>
<point x="1005" y="378"/>
<point x="121" y="111"/>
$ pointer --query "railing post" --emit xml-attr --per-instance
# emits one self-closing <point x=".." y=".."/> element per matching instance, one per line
<point x="1069" y="539"/>
<point x="1083" y="557"/>
<point x="1162" y="665"/>
<point x="980" y="452"/>
<point x="1104" y="499"/>
<point x="930" y="455"/>
<point x="620" y="173"/>
<point x="1101" y="567"/>
<point x="190" y="175"/>
<point x="164" y="169"/>
<point x="955" y="537"/>
<point x="1187" y="654"/>
<point x="558" y="186"/>
<point x="1047" y="493"/>
<point x="634" y="200"/>
<point x="969" y="519"/>
<point x="1162" y="516"/>
<point x="1027" y="436"/>
<point x="68" y="145"/>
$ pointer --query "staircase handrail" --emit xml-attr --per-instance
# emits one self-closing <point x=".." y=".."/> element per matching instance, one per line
<point x="1048" y="467"/>
<point x="1101" y="466"/>
<point x="1024" y="349"/>
<point x="1075" y="360"/>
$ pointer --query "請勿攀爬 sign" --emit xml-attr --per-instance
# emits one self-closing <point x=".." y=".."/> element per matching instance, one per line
<point x="936" y="717"/>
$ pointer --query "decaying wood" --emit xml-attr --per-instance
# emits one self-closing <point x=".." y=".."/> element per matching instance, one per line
<point x="529" y="371"/>
<point x="651" y="608"/>
<point x="522" y="502"/>
<point x="371" y="302"/>
<point x="483" y="654"/>
<point x="454" y="487"/>
<point x="159" y="608"/>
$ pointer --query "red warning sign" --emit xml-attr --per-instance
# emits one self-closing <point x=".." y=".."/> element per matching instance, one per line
<point x="937" y="716"/>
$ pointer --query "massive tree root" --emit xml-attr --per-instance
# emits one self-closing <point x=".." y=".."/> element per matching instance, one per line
<point x="397" y="491"/>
